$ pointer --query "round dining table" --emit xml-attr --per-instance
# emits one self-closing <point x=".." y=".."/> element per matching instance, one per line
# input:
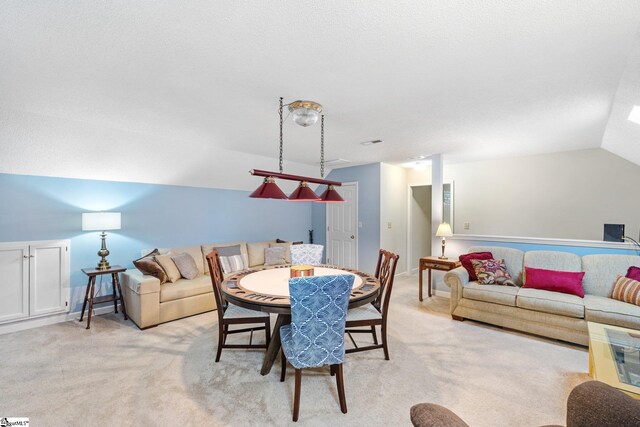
<point x="267" y="290"/>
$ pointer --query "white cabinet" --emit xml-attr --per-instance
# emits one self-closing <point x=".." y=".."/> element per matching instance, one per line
<point x="34" y="279"/>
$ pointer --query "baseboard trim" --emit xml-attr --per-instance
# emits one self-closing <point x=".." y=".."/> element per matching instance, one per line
<point x="23" y="325"/>
<point x="445" y="294"/>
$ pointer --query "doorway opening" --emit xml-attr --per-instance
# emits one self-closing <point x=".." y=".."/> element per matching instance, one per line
<point x="419" y="225"/>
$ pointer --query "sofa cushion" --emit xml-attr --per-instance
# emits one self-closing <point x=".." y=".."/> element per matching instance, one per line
<point x="611" y="312"/>
<point x="466" y="261"/>
<point x="196" y="254"/>
<point x="233" y="263"/>
<point x="228" y="250"/>
<point x="148" y="265"/>
<point x="186" y="265"/>
<point x="550" y="302"/>
<point x="184" y="288"/>
<point x="274" y="256"/>
<point x="600" y="271"/>
<point x="633" y="273"/>
<point x="167" y="264"/>
<point x="512" y="259"/>
<point x="287" y="248"/>
<point x="566" y="282"/>
<point x="256" y="253"/>
<point x="492" y="272"/>
<point x="499" y="294"/>
<point x="626" y="290"/>
<point x="208" y="247"/>
<point x="552" y="260"/>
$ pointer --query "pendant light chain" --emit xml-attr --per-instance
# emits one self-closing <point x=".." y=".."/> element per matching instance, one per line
<point x="281" y="149"/>
<point x="322" y="146"/>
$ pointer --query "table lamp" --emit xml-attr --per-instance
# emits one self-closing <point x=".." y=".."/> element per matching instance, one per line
<point x="444" y="230"/>
<point x="101" y="221"/>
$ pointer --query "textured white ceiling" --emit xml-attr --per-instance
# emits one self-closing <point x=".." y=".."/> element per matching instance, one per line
<point x="622" y="137"/>
<point x="471" y="79"/>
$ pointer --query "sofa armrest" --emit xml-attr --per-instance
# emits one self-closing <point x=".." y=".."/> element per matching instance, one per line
<point x="142" y="298"/>
<point x="455" y="280"/>
<point x="140" y="283"/>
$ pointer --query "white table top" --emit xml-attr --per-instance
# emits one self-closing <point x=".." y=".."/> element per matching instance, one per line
<point x="276" y="281"/>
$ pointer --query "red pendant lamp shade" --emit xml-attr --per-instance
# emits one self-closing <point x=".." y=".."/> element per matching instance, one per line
<point x="303" y="194"/>
<point x="331" y="195"/>
<point x="268" y="190"/>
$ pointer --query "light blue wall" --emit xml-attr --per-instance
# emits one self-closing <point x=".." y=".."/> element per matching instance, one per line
<point x="43" y="208"/>
<point x="579" y="250"/>
<point x="368" y="179"/>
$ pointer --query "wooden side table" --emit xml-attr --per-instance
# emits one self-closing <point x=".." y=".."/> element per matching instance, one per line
<point x="434" y="263"/>
<point x="89" y="296"/>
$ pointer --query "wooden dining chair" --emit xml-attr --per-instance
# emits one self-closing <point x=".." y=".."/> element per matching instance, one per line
<point x="315" y="336"/>
<point x="376" y="313"/>
<point x="229" y="314"/>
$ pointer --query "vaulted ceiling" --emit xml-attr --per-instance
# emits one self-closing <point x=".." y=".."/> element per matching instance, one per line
<point x="471" y="79"/>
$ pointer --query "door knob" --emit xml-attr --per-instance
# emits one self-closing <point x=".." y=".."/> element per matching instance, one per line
<point x="353" y="237"/>
<point x="25" y="256"/>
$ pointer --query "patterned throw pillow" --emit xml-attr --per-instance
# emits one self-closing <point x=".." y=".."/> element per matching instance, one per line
<point x="275" y="256"/>
<point x="492" y="272"/>
<point x="626" y="290"/>
<point x="148" y="265"/>
<point x="232" y="263"/>
<point x="186" y="265"/>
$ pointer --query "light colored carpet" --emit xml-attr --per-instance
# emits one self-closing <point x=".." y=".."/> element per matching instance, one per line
<point x="115" y="374"/>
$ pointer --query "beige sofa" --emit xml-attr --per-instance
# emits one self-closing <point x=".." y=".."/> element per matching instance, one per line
<point x="149" y="303"/>
<point x="551" y="314"/>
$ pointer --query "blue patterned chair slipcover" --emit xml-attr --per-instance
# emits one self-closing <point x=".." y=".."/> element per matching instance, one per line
<point x="315" y="336"/>
<point x="306" y="254"/>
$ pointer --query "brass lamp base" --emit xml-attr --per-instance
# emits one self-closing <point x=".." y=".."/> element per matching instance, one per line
<point x="102" y="253"/>
<point x="442" y="256"/>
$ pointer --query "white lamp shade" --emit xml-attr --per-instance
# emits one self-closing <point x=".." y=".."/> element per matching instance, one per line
<point x="100" y="221"/>
<point x="444" y="230"/>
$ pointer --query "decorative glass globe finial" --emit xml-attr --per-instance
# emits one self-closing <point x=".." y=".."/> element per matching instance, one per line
<point x="305" y="113"/>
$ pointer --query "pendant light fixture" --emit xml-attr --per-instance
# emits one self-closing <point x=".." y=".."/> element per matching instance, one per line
<point x="305" y="113"/>
<point x="269" y="189"/>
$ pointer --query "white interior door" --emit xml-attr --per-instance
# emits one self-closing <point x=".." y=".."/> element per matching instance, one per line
<point x="14" y="282"/>
<point x="48" y="278"/>
<point x="342" y="228"/>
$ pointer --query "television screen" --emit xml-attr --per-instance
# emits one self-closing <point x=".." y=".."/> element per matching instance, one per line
<point x="614" y="232"/>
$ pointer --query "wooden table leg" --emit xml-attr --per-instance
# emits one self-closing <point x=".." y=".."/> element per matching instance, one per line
<point x="420" y="283"/>
<point x="124" y="309"/>
<point x="86" y="297"/>
<point x="115" y="299"/>
<point x="429" y="284"/>
<point x="93" y="283"/>
<point x="274" y="345"/>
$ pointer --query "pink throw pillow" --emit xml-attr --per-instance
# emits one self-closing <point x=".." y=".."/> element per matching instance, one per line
<point x="633" y="273"/>
<point x="566" y="282"/>
<point x="466" y="259"/>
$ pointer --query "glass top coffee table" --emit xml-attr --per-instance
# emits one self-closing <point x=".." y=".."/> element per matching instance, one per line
<point x="614" y="357"/>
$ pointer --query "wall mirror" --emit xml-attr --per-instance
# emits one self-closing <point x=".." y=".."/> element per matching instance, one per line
<point x="447" y="203"/>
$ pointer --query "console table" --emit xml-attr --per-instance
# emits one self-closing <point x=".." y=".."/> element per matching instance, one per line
<point x="114" y="271"/>
<point x="434" y="263"/>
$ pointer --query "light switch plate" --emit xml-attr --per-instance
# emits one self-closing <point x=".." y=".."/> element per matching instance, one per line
<point x="388" y="225"/>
